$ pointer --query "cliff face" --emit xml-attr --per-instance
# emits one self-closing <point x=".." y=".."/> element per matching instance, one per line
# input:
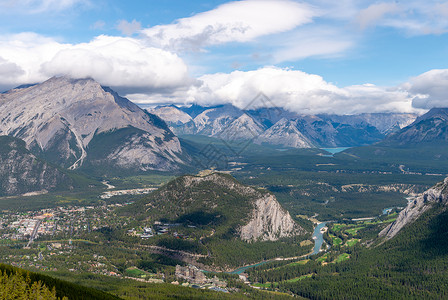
<point x="436" y="194"/>
<point x="218" y="201"/>
<point x="269" y="221"/>
<point x="61" y="117"/>
<point x="22" y="172"/>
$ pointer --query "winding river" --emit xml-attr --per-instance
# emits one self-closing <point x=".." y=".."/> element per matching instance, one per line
<point x="318" y="237"/>
<point x="318" y="241"/>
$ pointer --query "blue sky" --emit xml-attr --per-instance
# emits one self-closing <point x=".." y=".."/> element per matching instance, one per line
<point x="309" y="56"/>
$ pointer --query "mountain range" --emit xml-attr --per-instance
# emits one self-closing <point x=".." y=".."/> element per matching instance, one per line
<point x="428" y="128"/>
<point x="279" y="127"/>
<point x="77" y="123"/>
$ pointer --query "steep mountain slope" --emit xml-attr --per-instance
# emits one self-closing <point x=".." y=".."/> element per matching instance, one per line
<point x="194" y="109"/>
<point x="22" y="172"/>
<point x="21" y="284"/>
<point x="178" y="121"/>
<point x="222" y="203"/>
<point x="384" y="122"/>
<point x="60" y="117"/>
<point x="277" y="126"/>
<point x="214" y="120"/>
<point x="285" y="133"/>
<point x="436" y="195"/>
<point x="242" y="128"/>
<point x="411" y="265"/>
<point x="428" y="128"/>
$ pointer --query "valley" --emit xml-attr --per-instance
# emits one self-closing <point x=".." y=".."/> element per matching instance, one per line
<point x="238" y="204"/>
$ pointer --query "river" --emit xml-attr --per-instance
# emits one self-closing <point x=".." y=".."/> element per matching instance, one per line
<point x="318" y="241"/>
<point x="318" y="237"/>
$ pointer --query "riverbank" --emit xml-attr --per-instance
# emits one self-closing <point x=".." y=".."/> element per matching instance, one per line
<point x="318" y="241"/>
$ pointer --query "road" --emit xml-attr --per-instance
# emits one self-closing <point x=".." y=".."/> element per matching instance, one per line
<point x="33" y="235"/>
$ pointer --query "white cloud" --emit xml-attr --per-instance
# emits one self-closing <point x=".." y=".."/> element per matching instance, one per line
<point x="313" y="42"/>
<point x="414" y="17"/>
<point x="374" y="13"/>
<point x="123" y="63"/>
<point x="238" y="21"/>
<point x="430" y="89"/>
<point x="128" y="28"/>
<point x="38" y="6"/>
<point x="294" y="90"/>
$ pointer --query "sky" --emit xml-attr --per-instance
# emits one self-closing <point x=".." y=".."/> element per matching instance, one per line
<point x="314" y="56"/>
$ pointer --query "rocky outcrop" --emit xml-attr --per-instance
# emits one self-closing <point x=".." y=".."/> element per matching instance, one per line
<point x="60" y="118"/>
<point x="178" y="121"/>
<point x="436" y="194"/>
<point x="21" y="172"/>
<point x="285" y="133"/>
<point x="269" y="221"/>
<point x="216" y="200"/>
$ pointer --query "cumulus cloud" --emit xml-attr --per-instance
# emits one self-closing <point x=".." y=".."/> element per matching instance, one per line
<point x="430" y="89"/>
<point x="238" y="21"/>
<point x="123" y="63"/>
<point x="128" y="28"/>
<point x="295" y="90"/>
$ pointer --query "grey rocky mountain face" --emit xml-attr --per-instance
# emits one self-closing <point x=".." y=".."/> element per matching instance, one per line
<point x="61" y="118"/>
<point x="415" y="208"/>
<point x="21" y="172"/>
<point x="428" y="128"/>
<point x="268" y="220"/>
<point x="276" y="126"/>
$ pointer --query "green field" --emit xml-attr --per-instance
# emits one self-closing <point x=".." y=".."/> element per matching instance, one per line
<point x="135" y="272"/>
<point x="342" y="257"/>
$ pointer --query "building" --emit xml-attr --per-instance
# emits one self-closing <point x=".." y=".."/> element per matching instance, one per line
<point x="191" y="274"/>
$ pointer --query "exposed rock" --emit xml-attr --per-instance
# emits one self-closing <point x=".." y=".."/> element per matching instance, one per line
<point x="428" y="128"/>
<point x="414" y="209"/>
<point x="384" y="122"/>
<point x="62" y="116"/>
<point x="214" y="120"/>
<point x="178" y="121"/>
<point x="269" y="221"/>
<point x="285" y="133"/>
<point x="23" y="173"/>
<point x="277" y="126"/>
<point x="243" y="128"/>
<point x="251" y="214"/>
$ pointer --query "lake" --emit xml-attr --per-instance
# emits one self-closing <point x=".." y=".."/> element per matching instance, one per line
<point x="333" y="151"/>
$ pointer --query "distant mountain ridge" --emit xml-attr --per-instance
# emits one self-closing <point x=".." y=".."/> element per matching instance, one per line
<point x="278" y="127"/>
<point x="428" y="128"/>
<point x="62" y="118"/>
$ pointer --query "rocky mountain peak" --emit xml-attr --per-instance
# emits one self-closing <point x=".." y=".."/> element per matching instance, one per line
<point x="62" y="116"/>
<point x="415" y="208"/>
